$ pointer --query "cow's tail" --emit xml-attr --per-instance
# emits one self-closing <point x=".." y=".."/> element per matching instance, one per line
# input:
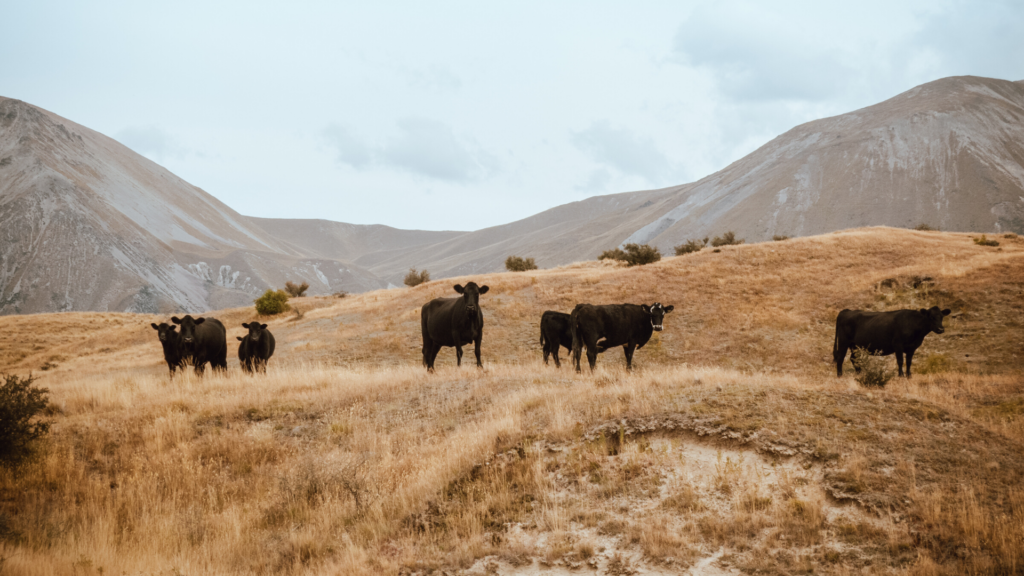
<point x="577" y="338"/>
<point x="835" y="342"/>
<point x="542" y="343"/>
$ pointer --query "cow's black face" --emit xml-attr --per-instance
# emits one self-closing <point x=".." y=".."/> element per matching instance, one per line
<point x="166" y="332"/>
<point x="657" y="313"/>
<point x="935" y="316"/>
<point x="255" y="331"/>
<point x="471" y="294"/>
<point x="188" y="329"/>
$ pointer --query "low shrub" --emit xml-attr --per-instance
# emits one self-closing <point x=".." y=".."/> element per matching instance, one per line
<point x="20" y="405"/>
<point x="633" y="255"/>
<point x="983" y="241"/>
<point x="517" y="264"/>
<point x="296" y="290"/>
<point x="1010" y="235"/>
<point x="874" y="370"/>
<point x="340" y="294"/>
<point x="727" y="239"/>
<point x="414" y="278"/>
<point x="779" y="238"/>
<point x="272" y="302"/>
<point x="925" y="228"/>
<point x="690" y="247"/>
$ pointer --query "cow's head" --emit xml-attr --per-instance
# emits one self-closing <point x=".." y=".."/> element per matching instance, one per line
<point x="471" y="294"/>
<point x="166" y="332"/>
<point x="255" y="331"/>
<point x="188" y="330"/>
<point x="657" y="313"/>
<point x="934" y="318"/>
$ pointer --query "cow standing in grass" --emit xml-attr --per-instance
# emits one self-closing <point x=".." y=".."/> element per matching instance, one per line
<point x="203" y="340"/>
<point x="256" y="348"/>
<point x="171" y="342"/>
<point x="555" y="332"/>
<point x="626" y="325"/>
<point x="883" y="333"/>
<point x="453" y="322"/>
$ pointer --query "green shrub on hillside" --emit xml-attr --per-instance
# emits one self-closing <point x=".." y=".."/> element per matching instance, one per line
<point x="20" y="404"/>
<point x="924" y="228"/>
<point x="780" y="237"/>
<point x="272" y="302"/>
<point x="517" y="264"/>
<point x="690" y="247"/>
<point x="633" y="255"/>
<point x="727" y="239"/>
<point x="983" y="241"/>
<point x="874" y="370"/>
<point x="414" y="278"/>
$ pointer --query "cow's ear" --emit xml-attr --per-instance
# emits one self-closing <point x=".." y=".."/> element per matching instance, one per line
<point x="175" y="319"/>
<point x="669" y="308"/>
<point x="459" y="288"/>
<point x="200" y="321"/>
<point x="245" y="325"/>
<point x="484" y="289"/>
<point x="239" y="338"/>
<point x="263" y="326"/>
<point x="155" y="327"/>
<point x="645" y="308"/>
<point x="946" y="312"/>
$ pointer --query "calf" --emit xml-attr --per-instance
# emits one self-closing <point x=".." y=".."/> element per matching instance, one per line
<point x="171" y="342"/>
<point x="453" y="322"/>
<point x="203" y="340"/>
<point x="256" y="348"/>
<point x="555" y="332"/>
<point x="626" y="325"/>
<point x="883" y="333"/>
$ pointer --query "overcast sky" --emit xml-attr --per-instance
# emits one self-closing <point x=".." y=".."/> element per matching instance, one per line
<point x="439" y="115"/>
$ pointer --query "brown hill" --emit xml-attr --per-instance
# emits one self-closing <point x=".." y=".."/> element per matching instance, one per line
<point x="732" y="446"/>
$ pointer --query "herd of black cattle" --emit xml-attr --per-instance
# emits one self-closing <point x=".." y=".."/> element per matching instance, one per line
<point x="459" y="321"/>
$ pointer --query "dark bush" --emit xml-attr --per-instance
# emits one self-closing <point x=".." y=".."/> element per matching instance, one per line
<point x="517" y="264"/>
<point x="296" y="290"/>
<point x="340" y="294"/>
<point x="634" y="254"/>
<point x="690" y="247"/>
<point x="414" y="278"/>
<point x="779" y="238"/>
<point x="20" y="403"/>
<point x="983" y="241"/>
<point x="924" y="228"/>
<point x="272" y="302"/>
<point x="727" y="239"/>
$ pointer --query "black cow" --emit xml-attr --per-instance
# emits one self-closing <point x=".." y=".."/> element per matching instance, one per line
<point x="203" y="340"/>
<point x="626" y="325"/>
<point x="256" y="348"/>
<point x="555" y="332"/>
<point x="453" y="322"/>
<point x="171" y="342"/>
<point x="884" y="333"/>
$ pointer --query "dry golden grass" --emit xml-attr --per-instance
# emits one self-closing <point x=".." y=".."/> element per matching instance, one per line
<point x="733" y="435"/>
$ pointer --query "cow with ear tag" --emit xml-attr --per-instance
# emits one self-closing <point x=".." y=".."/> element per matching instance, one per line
<point x="203" y="340"/>
<point x="255" y="348"/>
<point x="170" y="340"/>
<point x="453" y="322"/>
<point x="602" y="328"/>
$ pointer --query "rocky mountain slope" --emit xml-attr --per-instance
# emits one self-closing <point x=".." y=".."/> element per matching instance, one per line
<point x="86" y="224"/>
<point x="949" y="154"/>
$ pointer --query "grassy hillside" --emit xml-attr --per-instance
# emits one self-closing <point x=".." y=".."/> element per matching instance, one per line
<point x="732" y="446"/>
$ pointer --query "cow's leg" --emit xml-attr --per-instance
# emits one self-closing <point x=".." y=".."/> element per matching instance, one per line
<point x="899" y="361"/>
<point x="910" y="358"/>
<point x="458" y="355"/>
<point x="839" y="357"/>
<point x="629" y="349"/>
<point x="547" y="352"/>
<point x="476" y="350"/>
<point x="200" y="368"/>
<point x="429" y="355"/>
<point x="554" y="353"/>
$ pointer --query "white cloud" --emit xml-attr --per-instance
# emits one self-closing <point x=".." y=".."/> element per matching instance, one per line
<point x="624" y="150"/>
<point x="152" y="141"/>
